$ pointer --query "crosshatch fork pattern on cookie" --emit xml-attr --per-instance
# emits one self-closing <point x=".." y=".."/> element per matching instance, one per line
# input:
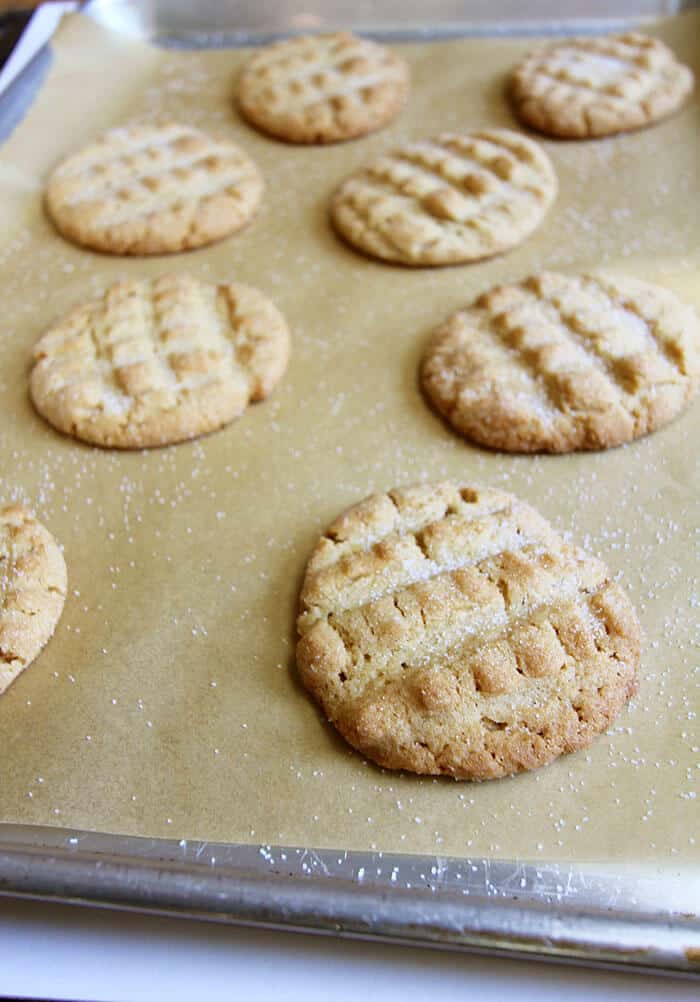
<point x="562" y="362"/>
<point x="447" y="629"/>
<point x="447" y="200"/>
<point x="158" y="361"/>
<point x="153" y="189"/>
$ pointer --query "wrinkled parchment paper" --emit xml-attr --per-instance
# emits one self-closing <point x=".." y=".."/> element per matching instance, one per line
<point x="167" y="703"/>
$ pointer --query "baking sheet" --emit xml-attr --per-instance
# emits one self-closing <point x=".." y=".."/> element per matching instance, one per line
<point x="167" y="704"/>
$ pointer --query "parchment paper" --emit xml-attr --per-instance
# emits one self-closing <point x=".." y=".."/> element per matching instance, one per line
<point x="167" y="703"/>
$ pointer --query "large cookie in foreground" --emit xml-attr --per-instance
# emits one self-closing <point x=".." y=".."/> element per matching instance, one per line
<point x="450" y="630"/>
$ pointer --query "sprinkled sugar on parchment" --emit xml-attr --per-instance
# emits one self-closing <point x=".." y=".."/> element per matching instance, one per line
<point x="168" y="702"/>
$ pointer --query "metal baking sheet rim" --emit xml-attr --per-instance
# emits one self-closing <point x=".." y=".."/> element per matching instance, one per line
<point x="548" y="911"/>
<point x="593" y="916"/>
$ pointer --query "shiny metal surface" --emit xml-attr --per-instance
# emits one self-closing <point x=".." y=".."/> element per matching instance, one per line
<point x="241" y="22"/>
<point x="584" y="915"/>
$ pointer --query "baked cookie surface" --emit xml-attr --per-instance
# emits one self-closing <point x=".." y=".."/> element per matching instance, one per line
<point x="449" y="200"/>
<point x="447" y="629"/>
<point x="33" y="583"/>
<point x="559" y="363"/>
<point x="589" y="87"/>
<point x="322" y="88"/>
<point x="157" y="361"/>
<point x="153" y="190"/>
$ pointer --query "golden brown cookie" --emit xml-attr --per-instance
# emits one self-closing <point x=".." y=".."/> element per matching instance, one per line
<point x="448" y="200"/>
<point x="448" y="629"/>
<point x="158" y="361"/>
<point x="33" y="584"/>
<point x="559" y="363"/>
<point x="588" y="87"/>
<point x="153" y="189"/>
<point x="322" y="88"/>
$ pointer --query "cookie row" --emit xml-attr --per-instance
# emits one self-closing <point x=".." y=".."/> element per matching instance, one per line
<point x="160" y="189"/>
<point x="555" y="363"/>
<point x="330" y="88"/>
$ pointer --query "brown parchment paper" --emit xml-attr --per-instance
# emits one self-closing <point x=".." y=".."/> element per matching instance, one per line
<point x="167" y="703"/>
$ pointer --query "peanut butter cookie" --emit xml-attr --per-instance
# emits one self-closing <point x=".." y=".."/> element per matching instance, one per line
<point x="560" y="363"/>
<point x="153" y="190"/>
<point x="448" y="629"/>
<point x="322" y="88"/>
<point x="33" y="585"/>
<point x="449" y="200"/>
<point x="158" y="361"/>
<point x="589" y="87"/>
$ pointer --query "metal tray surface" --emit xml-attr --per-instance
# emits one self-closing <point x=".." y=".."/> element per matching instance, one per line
<point x="639" y="918"/>
<point x="549" y="911"/>
<point x="229" y="22"/>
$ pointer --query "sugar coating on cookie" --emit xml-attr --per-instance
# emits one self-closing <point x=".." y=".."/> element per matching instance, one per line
<point x="452" y="199"/>
<point x="158" y="361"/>
<point x="153" y="189"/>
<point x="589" y="87"/>
<point x="33" y="583"/>
<point x="558" y="363"/>
<point x="322" y="88"/>
<point x="449" y="629"/>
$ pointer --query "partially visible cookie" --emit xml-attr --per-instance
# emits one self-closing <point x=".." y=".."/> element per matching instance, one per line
<point x="588" y="87"/>
<point x="448" y="200"/>
<point x="322" y="88"/>
<point x="153" y="189"/>
<point x="33" y="583"/>
<point x="449" y="629"/>
<point x="559" y="363"/>
<point x="158" y="361"/>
